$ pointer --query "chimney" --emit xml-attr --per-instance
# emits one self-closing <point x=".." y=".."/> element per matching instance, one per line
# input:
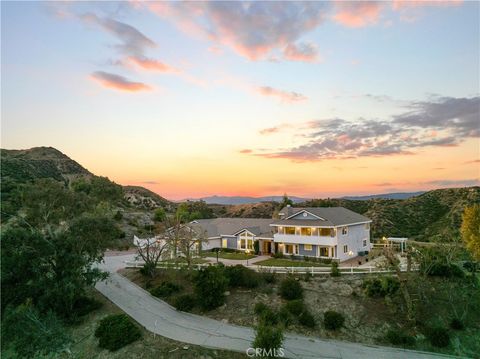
<point x="289" y="210"/>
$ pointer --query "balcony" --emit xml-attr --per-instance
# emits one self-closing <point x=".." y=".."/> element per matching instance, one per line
<point x="299" y="239"/>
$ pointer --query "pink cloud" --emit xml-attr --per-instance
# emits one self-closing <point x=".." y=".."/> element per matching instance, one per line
<point x="305" y="52"/>
<point x="357" y="14"/>
<point x="284" y="96"/>
<point x="118" y="82"/>
<point x="151" y="64"/>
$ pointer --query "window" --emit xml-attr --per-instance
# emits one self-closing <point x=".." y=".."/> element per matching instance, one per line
<point x="250" y="244"/>
<point x="323" y="252"/>
<point x="306" y="231"/>
<point x="242" y="243"/>
<point x="307" y="247"/>
<point x="367" y="226"/>
<point x="345" y="249"/>
<point x="224" y="243"/>
<point x="364" y="242"/>
<point x="324" y="231"/>
<point x="289" y="230"/>
<point x="344" y="231"/>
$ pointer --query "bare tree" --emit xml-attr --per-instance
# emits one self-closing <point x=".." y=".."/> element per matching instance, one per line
<point x="151" y="251"/>
<point x="190" y="242"/>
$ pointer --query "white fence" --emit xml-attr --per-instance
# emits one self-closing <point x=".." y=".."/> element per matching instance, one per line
<point x="270" y="269"/>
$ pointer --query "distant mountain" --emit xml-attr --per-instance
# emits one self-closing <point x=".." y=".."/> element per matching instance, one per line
<point x="231" y="200"/>
<point x="396" y="195"/>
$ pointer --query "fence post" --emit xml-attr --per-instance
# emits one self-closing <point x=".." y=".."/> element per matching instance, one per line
<point x="351" y="270"/>
<point x="312" y="271"/>
<point x="370" y="269"/>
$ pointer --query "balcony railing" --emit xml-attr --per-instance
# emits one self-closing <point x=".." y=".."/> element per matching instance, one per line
<point x="299" y="239"/>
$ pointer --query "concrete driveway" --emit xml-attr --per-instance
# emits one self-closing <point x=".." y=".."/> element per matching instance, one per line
<point x="160" y="318"/>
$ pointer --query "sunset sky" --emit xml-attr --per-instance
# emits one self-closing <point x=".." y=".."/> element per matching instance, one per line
<point x="237" y="98"/>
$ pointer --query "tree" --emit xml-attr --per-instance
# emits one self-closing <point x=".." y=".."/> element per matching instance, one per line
<point x="159" y="214"/>
<point x="286" y="201"/>
<point x="151" y="251"/>
<point x="470" y="229"/>
<point x="191" y="210"/>
<point x="190" y="242"/>
<point x="210" y="286"/>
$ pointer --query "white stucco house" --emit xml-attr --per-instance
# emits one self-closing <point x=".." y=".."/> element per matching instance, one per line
<point x="323" y="232"/>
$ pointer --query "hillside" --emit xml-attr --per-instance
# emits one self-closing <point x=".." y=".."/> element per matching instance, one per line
<point x="233" y="200"/>
<point x="144" y="198"/>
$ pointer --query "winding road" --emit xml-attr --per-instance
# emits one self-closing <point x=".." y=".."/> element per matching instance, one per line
<point x="162" y="319"/>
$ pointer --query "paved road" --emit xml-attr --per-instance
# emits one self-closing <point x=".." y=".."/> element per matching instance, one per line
<point x="160" y="318"/>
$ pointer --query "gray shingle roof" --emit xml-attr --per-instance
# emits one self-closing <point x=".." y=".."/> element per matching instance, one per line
<point x="216" y="227"/>
<point x="336" y="216"/>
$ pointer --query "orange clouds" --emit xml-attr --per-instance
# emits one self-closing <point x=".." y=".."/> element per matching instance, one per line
<point x="357" y="14"/>
<point x="303" y="52"/>
<point x="284" y="96"/>
<point x="118" y="82"/>
<point x="151" y="64"/>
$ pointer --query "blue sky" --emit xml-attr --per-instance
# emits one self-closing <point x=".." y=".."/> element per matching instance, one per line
<point x="248" y="98"/>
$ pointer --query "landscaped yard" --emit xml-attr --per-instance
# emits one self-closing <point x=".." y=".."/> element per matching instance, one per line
<point x="149" y="346"/>
<point x="182" y="260"/>
<point x="368" y="319"/>
<point x="228" y="255"/>
<point x="284" y="262"/>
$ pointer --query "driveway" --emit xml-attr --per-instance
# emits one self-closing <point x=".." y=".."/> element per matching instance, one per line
<point x="160" y="318"/>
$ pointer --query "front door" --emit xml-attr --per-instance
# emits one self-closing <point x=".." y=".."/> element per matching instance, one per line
<point x="267" y="247"/>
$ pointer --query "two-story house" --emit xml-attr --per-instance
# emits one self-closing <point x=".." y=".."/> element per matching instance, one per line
<point x="322" y="232"/>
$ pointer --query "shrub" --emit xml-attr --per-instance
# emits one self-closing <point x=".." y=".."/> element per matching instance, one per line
<point x="165" y="290"/>
<point x="306" y="319"/>
<point x="445" y="270"/>
<point x="376" y="287"/>
<point x="210" y="286"/>
<point x="457" y="324"/>
<point x="291" y="289"/>
<point x="184" y="302"/>
<point x="296" y="307"/>
<point x="240" y="276"/>
<point x="269" y="338"/>
<point x="269" y="317"/>
<point x="148" y="269"/>
<point x="333" y="320"/>
<point x="115" y="331"/>
<point x="471" y="266"/>
<point x="256" y="247"/>
<point x="278" y="255"/>
<point x="438" y="337"/>
<point x="84" y="305"/>
<point x="269" y="277"/>
<point x="335" y="272"/>
<point x="285" y="316"/>
<point x="259" y="308"/>
<point x="399" y="337"/>
<point x="118" y="216"/>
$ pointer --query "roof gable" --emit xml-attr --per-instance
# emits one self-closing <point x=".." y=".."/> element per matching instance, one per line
<point x="304" y="214"/>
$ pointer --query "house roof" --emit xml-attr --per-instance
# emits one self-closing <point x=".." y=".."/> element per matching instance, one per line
<point x="216" y="227"/>
<point x="303" y="222"/>
<point x="334" y="216"/>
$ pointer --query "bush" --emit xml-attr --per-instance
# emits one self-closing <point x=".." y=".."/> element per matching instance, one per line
<point x="471" y="266"/>
<point x="333" y="320"/>
<point x="291" y="289"/>
<point x="259" y="308"/>
<point x="438" y="337"/>
<point x="269" y="277"/>
<point x="210" y="286"/>
<point x="376" y="287"/>
<point x="457" y="324"/>
<point x="285" y="316"/>
<point x="256" y="247"/>
<point x="115" y="331"/>
<point x="278" y="255"/>
<point x="269" y="338"/>
<point x="240" y="276"/>
<point x="445" y="270"/>
<point x="335" y="272"/>
<point x="306" y="319"/>
<point x="165" y="290"/>
<point x="296" y="307"/>
<point x="148" y="269"/>
<point x="184" y="302"/>
<point x="399" y="337"/>
<point x="269" y="317"/>
<point x="84" y="305"/>
<point x="118" y="216"/>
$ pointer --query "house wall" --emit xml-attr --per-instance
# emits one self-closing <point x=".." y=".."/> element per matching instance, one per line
<point x="303" y="252"/>
<point x="211" y="243"/>
<point x="231" y="242"/>
<point x="354" y="241"/>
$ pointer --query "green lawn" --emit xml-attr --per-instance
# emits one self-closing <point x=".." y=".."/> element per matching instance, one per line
<point x="282" y="262"/>
<point x="183" y="260"/>
<point x="228" y="255"/>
